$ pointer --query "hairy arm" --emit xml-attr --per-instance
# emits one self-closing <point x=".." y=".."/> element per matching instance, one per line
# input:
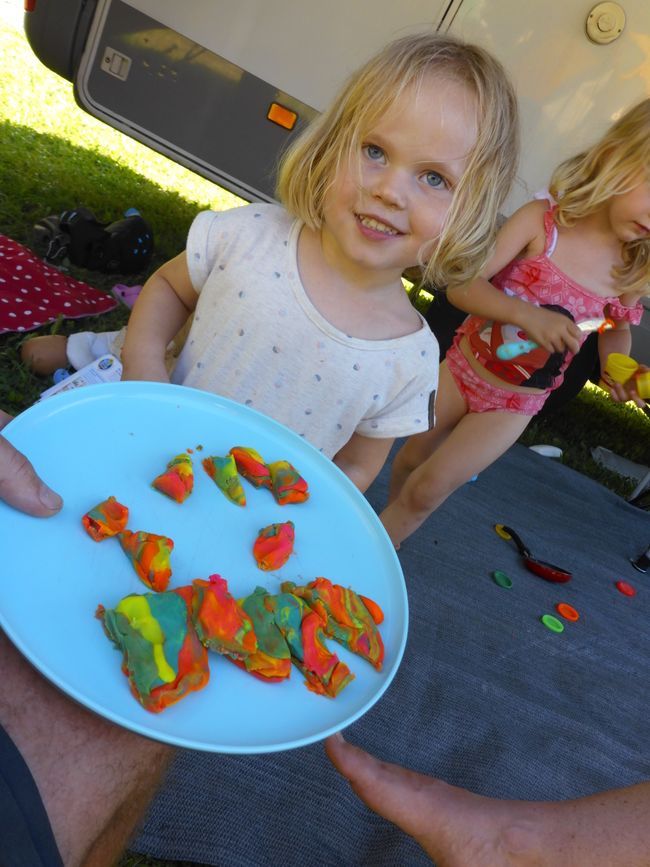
<point x="523" y="233"/>
<point x="361" y="459"/>
<point x="166" y="300"/>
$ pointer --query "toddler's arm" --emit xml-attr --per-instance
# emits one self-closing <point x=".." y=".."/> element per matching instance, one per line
<point x="619" y="339"/>
<point x="522" y="234"/>
<point x="361" y="459"/>
<point x="166" y="300"/>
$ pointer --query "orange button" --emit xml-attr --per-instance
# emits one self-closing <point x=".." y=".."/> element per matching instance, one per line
<point x="282" y="116"/>
<point x="567" y="611"/>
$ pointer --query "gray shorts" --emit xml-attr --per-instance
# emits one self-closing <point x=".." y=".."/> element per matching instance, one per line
<point x="25" y="831"/>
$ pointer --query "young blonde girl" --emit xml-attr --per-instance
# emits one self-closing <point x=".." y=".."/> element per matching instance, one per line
<point x="298" y="309"/>
<point x="554" y="266"/>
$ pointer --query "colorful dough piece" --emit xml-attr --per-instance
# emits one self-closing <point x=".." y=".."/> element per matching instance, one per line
<point x="178" y="479"/>
<point x="162" y="655"/>
<point x="288" y="485"/>
<point x="149" y="554"/>
<point x="273" y="546"/>
<point x="251" y="466"/>
<point x="271" y="662"/>
<point x="223" y="472"/>
<point x="106" y="519"/>
<point x="349" y="618"/>
<point x="302" y="629"/>
<point x="221" y="624"/>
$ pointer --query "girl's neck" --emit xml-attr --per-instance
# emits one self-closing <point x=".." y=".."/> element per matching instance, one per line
<point x="359" y="301"/>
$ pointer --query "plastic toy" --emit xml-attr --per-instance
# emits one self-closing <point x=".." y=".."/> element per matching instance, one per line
<point x="512" y="349"/>
<point x="642" y="562"/>
<point x="541" y="568"/>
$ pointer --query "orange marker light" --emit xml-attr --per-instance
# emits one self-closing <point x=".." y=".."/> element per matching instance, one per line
<point x="282" y="116"/>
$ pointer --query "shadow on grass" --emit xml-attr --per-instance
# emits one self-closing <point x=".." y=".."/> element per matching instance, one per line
<point x="41" y="174"/>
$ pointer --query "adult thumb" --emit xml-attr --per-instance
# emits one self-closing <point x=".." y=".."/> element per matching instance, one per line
<point x="20" y="486"/>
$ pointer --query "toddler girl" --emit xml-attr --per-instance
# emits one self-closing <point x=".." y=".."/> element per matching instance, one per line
<point x="554" y="266"/>
<point x="298" y="309"/>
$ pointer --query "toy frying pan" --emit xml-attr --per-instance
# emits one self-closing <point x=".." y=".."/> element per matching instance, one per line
<point x="514" y="348"/>
<point x="544" y="570"/>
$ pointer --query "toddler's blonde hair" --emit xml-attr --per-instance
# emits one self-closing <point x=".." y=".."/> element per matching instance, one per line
<point x="615" y="165"/>
<point x="309" y="167"/>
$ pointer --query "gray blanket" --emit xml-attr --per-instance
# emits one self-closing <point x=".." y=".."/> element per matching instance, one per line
<point x="486" y="697"/>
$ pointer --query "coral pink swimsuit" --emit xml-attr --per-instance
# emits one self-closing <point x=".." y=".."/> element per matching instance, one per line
<point x="539" y="281"/>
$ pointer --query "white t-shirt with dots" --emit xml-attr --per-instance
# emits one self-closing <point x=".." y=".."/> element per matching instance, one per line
<point x="257" y="339"/>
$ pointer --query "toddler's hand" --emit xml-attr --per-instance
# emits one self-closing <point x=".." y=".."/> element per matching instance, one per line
<point x="554" y="331"/>
<point x="621" y="392"/>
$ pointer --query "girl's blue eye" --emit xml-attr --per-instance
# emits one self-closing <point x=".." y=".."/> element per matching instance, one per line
<point x="374" y="152"/>
<point x="435" y="180"/>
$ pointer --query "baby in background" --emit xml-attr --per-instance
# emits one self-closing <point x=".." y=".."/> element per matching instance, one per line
<point x="298" y="309"/>
<point x="585" y="256"/>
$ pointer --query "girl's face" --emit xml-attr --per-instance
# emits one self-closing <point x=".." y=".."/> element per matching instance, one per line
<point x="629" y="213"/>
<point x="392" y="198"/>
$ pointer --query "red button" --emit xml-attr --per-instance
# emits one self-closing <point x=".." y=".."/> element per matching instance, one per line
<point x="625" y="588"/>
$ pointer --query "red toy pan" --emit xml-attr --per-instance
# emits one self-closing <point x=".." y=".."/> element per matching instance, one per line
<point x="544" y="570"/>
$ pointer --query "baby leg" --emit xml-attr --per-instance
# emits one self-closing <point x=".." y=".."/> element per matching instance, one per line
<point x="43" y="355"/>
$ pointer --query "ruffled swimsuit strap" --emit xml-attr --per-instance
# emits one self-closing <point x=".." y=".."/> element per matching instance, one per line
<point x="550" y="231"/>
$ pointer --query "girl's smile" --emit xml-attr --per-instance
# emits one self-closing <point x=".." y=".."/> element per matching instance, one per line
<point x="374" y="228"/>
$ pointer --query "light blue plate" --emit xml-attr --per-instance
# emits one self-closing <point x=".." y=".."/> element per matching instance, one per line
<point x="114" y="439"/>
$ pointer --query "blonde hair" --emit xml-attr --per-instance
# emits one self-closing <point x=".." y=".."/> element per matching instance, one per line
<point x="615" y="165"/>
<point x="309" y="167"/>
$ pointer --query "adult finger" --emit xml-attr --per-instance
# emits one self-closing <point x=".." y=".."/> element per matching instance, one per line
<point x="20" y="487"/>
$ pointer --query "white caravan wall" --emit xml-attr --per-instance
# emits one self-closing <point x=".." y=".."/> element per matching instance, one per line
<point x="304" y="47"/>
<point x="570" y="89"/>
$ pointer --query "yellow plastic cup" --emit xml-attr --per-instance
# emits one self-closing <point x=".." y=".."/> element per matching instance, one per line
<point x="620" y="367"/>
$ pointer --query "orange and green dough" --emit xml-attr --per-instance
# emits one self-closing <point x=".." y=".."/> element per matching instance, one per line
<point x="223" y="472"/>
<point x="271" y="662"/>
<point x="106" y="519"/>
<point x="149" y="554"/>
<point x="221" y="624"/>
<point x="252" y="466"/>
<point x="288" y="485"/>
<point x="302" y="629"/>
<point x="178" y="479"/>
<point x="349" y="618"/>
<point x="162" y="655"/>
<point x="274" y="546"/>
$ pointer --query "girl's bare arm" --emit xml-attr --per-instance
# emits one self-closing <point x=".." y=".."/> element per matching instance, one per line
<point x="166" y="300"/>
<point x="522" y="234"/>
<point x="361" y="459"/>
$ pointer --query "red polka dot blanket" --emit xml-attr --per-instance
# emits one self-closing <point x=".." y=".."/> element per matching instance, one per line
<point x="33" y="293"/>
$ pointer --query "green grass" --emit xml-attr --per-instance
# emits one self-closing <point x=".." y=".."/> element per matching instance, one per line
<point x="53" y="156"/>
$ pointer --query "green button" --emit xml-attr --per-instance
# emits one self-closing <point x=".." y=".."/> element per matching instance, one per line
<point x="552" y="623"/>
<point x="501" y="579"/>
